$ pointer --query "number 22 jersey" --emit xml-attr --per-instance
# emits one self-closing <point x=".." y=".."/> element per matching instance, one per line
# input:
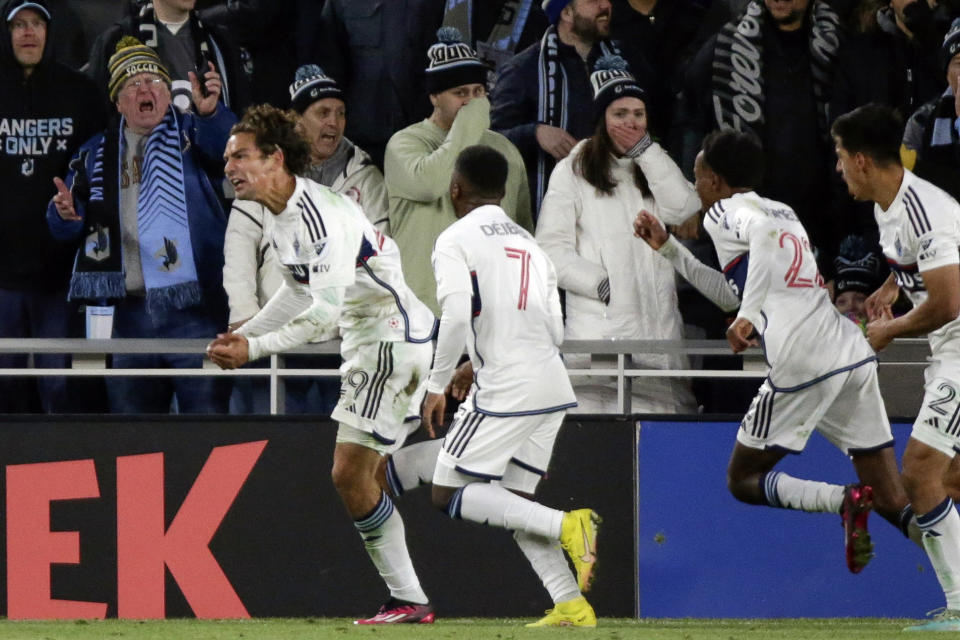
<point x="767" y="259"/>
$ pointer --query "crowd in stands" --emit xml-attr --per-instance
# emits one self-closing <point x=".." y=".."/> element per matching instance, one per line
<point x="114" y="115"/>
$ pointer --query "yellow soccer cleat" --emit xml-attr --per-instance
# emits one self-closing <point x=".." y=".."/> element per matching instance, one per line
<point x="572" y="613"/>
<point x="578" y="537"/>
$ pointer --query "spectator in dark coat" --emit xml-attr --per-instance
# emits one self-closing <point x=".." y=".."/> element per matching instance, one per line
<point x="46" y="112"/>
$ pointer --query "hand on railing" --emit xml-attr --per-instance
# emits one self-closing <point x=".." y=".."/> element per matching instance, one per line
<point x="229" y="350"/>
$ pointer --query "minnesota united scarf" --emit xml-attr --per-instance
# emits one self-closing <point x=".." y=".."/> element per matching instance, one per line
<point x="553" y="99"/>
<point x="738" y="97"/>
<point x="166" y="253"/>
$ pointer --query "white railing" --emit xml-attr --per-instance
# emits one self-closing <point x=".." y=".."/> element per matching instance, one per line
<point x="900" y="363"/>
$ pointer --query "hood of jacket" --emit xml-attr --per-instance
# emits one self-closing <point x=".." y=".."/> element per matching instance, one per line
<point x="9" y="64"/>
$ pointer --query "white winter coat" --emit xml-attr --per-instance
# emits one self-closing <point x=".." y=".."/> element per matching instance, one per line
<point x="589" y="237"/>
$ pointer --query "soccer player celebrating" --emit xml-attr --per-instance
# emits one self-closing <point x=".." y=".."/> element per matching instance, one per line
<point x="494" y="279"/>
<point x="919" y="233"/>
<point x="823" y="374"/>
<point x="340" y="270"/>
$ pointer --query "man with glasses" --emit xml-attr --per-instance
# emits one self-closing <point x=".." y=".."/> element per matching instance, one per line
<point x="46" y="111"/>
<point x="151" y="226"/>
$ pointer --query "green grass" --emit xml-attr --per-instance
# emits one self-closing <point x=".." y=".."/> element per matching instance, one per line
<point x="460" y="629"/>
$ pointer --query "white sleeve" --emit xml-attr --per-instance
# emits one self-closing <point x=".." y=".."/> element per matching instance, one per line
<point x="452" y="336"/>
<point x="710" y="282"/>
<point x="241" y="249"/>
<point x="315" y="321"/>
<point x="676" y="199"/>
<point x="290" y="300"/>
<point x="753" y="228"/>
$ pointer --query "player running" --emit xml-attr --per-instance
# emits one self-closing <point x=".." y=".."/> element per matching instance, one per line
<point x="498" y="294"/>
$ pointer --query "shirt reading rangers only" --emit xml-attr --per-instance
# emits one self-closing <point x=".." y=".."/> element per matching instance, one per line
<point x="768" y="261"/>
<point x="326" y="242"/>
<point x="516" y="321"/>
<point x="919" y="232"/>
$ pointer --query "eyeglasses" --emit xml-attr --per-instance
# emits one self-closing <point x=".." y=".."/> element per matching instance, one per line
<point x="147" y="83"/>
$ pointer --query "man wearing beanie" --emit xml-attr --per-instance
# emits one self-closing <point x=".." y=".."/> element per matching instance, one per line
<point x="46" y="112"/>
<point x="148" y="215"/>
<point x="542" y="99"/>
<point x="931" y="141"/>
<point x="185" y="44"/>
<point x="419" y="160"/>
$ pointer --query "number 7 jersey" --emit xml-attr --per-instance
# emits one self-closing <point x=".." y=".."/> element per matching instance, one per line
<point x="767" y="259"/>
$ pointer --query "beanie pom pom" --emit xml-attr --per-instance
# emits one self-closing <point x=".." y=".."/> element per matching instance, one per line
<point x="449" y="35"/>
<point x="610" y="63"/>
<point x="127" y="41"/>
<point x="853" y="248"/>
<point x="308" y="71"/>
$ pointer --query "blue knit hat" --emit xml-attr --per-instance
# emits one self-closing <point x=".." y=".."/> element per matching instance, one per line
<point x="553" y="8"/>
<point x="951" y="44"/>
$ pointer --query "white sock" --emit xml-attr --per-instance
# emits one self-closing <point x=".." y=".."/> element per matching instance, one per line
<point x="787" y="492"/>
<point x="941" y="539"/>
<point x="492" y="504"/>
<point x="550" y="564"/>
<point x="412" y="466"/>
<point x="384" y="537"/>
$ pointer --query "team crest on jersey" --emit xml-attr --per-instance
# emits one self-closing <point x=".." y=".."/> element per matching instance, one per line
<point x="320" y="248"/>
<point x="168" y="255"/>
<point x="898" y="247"/>
<point x="26" y="167"/>
<point x="96" y="246"/>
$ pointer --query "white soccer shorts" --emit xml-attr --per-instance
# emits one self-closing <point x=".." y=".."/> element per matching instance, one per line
<point x="846" y="408"/>
<point x="382" y="387"/>
<point x="514" y="450"/>
<point x="938" y="421"/>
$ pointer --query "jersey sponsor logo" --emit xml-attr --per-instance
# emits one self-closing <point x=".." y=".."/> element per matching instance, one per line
<point x="321" y="268"/>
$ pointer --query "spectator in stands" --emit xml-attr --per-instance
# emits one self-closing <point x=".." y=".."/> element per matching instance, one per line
<point x="769" y="71"/>
<point x="151" y="227"/>
<point x="542" y="100"/>
<point x="931" y="141"/>
<point x="858" y="274"/>
<point x="617" y="286"/>
<point x="496" y="29"/>
<point x="664" y="34"/>
<point x="375" y="49"/>
<point x="420" y="159"/>
<point x="46" y="112"/>
<point x="901" y="57"/>
<point x="185" y="45"/>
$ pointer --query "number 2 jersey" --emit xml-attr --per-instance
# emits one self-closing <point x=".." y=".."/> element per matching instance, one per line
<point x="767" y="259"/>
<point x="919" y="232"/>
<point x="326" y="242"/>
<point x="516" y="321"/>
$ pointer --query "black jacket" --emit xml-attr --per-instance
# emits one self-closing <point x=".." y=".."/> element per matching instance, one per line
<point x="43" y="120"/>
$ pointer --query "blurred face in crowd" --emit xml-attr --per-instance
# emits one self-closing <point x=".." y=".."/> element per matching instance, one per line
<point x="630" y="113"/>
<point x="246" y="166"/>
<point x="953" y="73"/>
<point x="323" y="123"/>
<point x="591" y="19"/>
<point x="787" y="14"/>
<point x="143" y="101"/>
<point x="850" y="167"/>
<point x="176" y="5"/>
<point x="852" y="304"/>
<point x="447" y="104"/>
<point x="28" y="36"/>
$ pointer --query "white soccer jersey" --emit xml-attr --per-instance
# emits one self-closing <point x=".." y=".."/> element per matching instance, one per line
<point x="325" y="241"/>
<point x="919" y="232"/>
<point x="767" y="259"/>
<point x="517" y="323"/>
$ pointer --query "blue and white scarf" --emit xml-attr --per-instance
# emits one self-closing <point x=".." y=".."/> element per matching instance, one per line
<point x="166" y="252"/>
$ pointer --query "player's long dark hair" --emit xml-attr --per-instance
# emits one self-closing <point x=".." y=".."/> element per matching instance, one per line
<point x="595" y="159"/>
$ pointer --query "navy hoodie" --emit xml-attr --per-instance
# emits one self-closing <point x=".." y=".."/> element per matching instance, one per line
<point x="43" y="120"/>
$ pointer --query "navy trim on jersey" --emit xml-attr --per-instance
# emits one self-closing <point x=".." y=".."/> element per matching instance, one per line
<point x="715" y="212"/>
<point x="382" y="439"/>
<point x="530" y="468"/>
<point x="410" y="419"/>
<point x="782" y="449"/>
<point x="829" y="374"/>
<point x="879" y="447"/>
<point x="906" y="268"/>
<point x="403" y="312"/>
<point x="310" y="215"/>
<point x="477" y="474"/>
<point x="365" y="252"/>
<point x="532" y="412"/>
<point x="476" y="304"/>
<point x="916" y="212"/>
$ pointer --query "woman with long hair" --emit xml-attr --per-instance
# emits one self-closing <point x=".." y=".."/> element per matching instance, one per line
<point x="616" y="286"/>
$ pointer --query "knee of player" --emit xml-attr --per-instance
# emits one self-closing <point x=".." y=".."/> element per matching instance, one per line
<point x="742" y="488"/>
<point x="441" y="496"/>
<point x="344" y="478"/>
